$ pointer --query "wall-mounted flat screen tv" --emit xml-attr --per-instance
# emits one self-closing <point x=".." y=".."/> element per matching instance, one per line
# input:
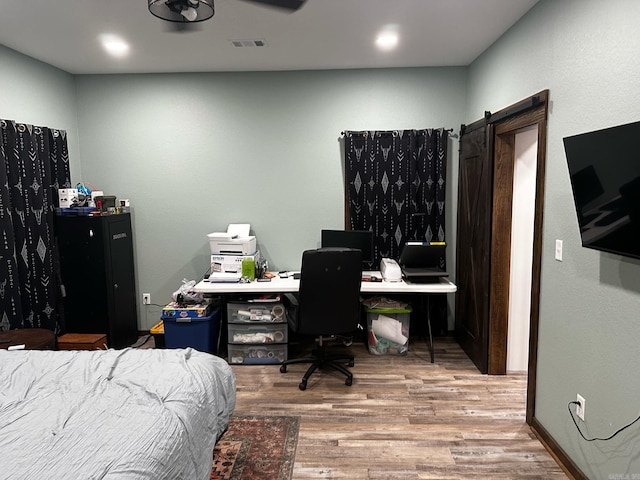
<point x="604" y="167"/>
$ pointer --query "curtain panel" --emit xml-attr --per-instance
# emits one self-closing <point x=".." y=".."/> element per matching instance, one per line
<point x="34" y="163"/>
<point x="395" y="187"/>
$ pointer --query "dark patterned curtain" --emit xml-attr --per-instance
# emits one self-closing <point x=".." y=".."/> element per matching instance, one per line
<point x="34" y="163"/>
<point x="396" y="186"/>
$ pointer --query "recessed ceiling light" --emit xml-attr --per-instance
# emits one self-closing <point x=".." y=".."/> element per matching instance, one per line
<point x="114" y="45"/>
<point x="387" y="40"/>
<point x="388" y="37"/>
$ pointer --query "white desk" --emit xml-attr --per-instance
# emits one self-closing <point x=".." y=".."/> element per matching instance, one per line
<point x="291" y="285"/>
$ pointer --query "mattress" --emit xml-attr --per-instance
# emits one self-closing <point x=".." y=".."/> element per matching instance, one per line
<point x="126" y="414"/>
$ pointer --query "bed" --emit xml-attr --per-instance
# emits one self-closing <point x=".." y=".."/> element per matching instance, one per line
<point x="125" y="414"/>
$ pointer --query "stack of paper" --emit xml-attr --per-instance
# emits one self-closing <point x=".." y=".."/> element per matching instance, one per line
<point x="224" y="277"/>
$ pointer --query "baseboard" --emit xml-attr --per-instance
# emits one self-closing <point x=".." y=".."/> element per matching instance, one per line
<point x="560" y="456"/>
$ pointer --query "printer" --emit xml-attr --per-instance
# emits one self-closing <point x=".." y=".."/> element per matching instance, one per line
<point x="235" y="241"/>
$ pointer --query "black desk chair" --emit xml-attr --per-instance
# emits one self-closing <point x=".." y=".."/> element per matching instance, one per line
<point x="327" y="305"/>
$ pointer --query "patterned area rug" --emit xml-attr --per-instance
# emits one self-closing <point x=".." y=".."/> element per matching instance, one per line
<point x="256" y="448"/>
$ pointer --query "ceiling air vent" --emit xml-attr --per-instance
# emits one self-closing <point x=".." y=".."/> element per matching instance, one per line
<point x="249" y="43"/>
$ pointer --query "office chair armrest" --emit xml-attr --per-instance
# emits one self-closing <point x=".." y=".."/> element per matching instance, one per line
<point x="291" y="304"/>
<point x="291" y="299"/>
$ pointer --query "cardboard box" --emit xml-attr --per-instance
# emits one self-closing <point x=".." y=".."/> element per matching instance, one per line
<point x="175" y="310"/>
<point x="231" y="263"/>
<point x="67" y="197"/>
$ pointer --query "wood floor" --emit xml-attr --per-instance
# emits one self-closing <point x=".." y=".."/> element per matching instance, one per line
<point x="403" y="418"/>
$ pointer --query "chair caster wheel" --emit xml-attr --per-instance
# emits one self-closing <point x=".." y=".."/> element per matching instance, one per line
<point x="283" y="369"/>
<point x="348" y="382"/>
<point x="302" y="386"/>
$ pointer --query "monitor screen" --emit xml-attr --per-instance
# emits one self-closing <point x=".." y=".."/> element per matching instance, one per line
<point x="422" y="254"/>
<point x="604" y="167"/>
<point x="360" y="239"/>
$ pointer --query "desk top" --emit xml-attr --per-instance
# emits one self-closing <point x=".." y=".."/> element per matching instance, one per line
<point x="287" y="285"/>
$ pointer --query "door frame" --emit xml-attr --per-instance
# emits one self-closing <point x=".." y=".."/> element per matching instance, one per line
<point x="508" y="122"/>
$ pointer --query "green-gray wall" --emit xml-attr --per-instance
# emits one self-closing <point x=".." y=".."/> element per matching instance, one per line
<point x="196" y="152"/>
<point x="586" y="53"/>
<point x="39" y="94"/>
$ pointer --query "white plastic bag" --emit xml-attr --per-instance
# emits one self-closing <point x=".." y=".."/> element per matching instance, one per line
<point x="185" y="293"/>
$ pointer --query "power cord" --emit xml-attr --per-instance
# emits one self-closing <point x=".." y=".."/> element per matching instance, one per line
<point x="596" y="438"/>
<point x="206" y="273"/>
<point x="153" y="305"/>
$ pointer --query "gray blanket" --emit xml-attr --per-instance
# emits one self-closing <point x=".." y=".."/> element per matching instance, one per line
<point x="126" y="414"/>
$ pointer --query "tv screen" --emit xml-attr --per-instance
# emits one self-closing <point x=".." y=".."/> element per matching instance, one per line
<point x="360" y="239"/>
<point x="604" y="167"/>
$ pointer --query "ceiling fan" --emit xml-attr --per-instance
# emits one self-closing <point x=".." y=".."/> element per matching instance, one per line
<point x="184" y="13"/>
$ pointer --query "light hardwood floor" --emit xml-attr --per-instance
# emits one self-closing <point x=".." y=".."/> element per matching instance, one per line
<point x="403" y="418"/>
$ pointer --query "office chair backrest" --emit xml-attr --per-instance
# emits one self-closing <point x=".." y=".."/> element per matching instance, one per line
<point x="329" y="294"/>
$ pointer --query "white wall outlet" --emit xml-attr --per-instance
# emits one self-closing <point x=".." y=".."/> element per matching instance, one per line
<point x="146" y="298"/>
<point x="559" y="250"/>
<point x="580" y="407"/>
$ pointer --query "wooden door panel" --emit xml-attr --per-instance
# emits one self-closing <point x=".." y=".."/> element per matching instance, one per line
<point x="473" y="265"/>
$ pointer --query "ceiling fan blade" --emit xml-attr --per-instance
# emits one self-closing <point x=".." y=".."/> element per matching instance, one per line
<point x="292" y="5"/>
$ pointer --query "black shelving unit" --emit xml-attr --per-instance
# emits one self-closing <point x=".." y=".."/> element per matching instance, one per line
<point x="96" y="262"/>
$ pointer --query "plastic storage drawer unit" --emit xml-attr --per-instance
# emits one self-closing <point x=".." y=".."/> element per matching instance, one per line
<point x="240" y="312"/>
<point x="257" y="332"/>
<point x="252" y="333"/>
<point x="257" y="354"/>
<point x="200" y="333"/>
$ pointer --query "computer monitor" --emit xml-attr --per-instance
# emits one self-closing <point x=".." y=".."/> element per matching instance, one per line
<point x="422" y="254"/>
<point x="360" y="239"/>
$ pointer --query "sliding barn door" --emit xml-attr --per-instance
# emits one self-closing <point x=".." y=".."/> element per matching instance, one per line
<point x="485" y="199"/>
<point x="473" y="272"/>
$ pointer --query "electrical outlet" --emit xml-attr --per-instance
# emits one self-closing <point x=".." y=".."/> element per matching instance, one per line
<point x="580" y="407"/>
<point x="146" y="298"/>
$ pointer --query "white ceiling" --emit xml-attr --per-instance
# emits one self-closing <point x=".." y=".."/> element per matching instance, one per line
<point x="323" y="34"/>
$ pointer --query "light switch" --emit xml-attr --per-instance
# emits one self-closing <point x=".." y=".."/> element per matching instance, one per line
<point x="559" y="250"/>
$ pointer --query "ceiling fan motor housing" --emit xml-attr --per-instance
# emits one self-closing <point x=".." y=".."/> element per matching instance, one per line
<point x="182" y="10"/>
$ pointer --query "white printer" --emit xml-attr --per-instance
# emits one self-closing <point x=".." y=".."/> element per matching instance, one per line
<point x="390" y="270"/>
<point x="235" y="241"/>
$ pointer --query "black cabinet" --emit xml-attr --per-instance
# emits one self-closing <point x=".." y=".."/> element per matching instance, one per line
<point x="96" y="261"/>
